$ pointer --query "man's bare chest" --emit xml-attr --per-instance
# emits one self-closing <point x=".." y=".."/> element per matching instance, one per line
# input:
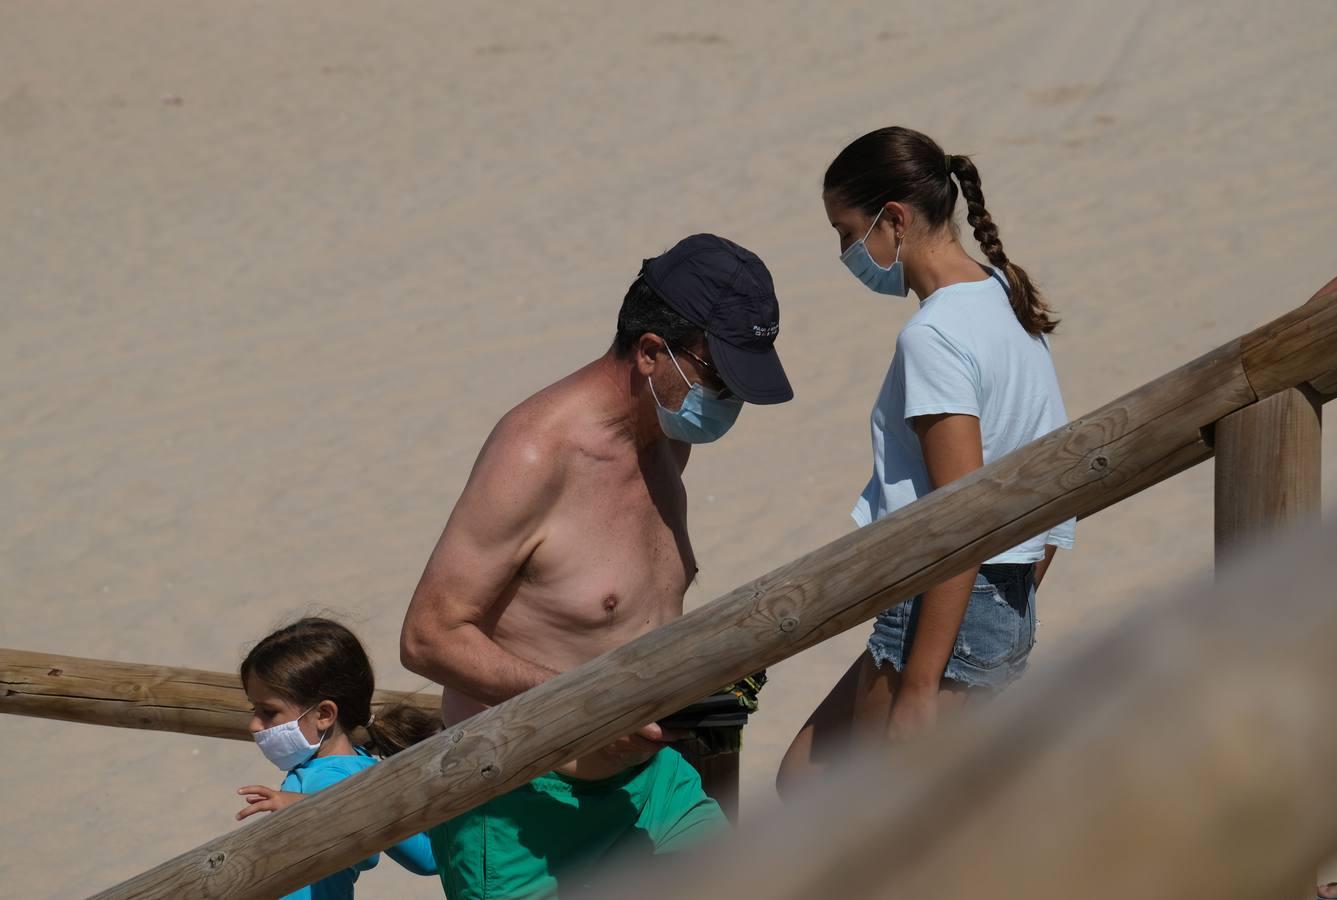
<point x="614" y="549"/>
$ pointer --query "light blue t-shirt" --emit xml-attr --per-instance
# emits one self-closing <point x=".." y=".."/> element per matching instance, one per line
<point x="963" y="352"/>
<point x="318" y="773"/>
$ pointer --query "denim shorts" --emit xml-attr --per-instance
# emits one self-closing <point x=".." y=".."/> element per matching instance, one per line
<point x="995" y="638"/>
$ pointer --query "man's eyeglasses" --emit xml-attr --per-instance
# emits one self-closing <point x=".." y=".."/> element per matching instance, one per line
<point x="709" y="368"/>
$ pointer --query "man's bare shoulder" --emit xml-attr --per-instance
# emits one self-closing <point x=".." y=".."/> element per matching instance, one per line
<point x="518" y="475"/>
<point x="526" y="442"/>
<point x="556" y="426"/>
<point x="542" y="433"/>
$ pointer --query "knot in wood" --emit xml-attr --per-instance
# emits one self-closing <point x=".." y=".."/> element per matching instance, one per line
<point x="489" y="772"/>
<point x="215" y="860"/>
<point x="1100" y="463"/>
<point x="457" y="737"/>
<point x="788" y="623"/>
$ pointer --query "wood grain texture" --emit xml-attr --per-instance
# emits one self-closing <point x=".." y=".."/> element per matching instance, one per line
<point x="1268" y="460"/>
<point x="1184" y="753"/>
<point x="1117" y="450"/>
<point x="1298" y="347"/>
<point x="1325" y="385"/>
<point x="211" y="704"/>
<point x="1268" y="480"/>
<point x="134" y="695"/>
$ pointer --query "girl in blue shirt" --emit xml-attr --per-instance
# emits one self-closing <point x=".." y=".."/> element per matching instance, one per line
<point x="310" y="685"/>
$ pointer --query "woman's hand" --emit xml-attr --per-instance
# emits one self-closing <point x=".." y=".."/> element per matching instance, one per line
<point x="265" y="799"/>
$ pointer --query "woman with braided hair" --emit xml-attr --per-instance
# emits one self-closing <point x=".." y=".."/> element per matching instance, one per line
<point x="971" y="380"/>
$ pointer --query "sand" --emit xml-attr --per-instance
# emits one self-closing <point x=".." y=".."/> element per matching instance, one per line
<point x="272" y="271"/>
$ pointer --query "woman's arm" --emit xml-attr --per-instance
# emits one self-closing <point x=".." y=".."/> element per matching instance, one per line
<point x="952" y="448"/>
<point x="1043" y="565"/>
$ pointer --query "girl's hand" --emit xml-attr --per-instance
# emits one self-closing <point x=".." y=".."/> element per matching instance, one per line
<point x="265" y="799"/>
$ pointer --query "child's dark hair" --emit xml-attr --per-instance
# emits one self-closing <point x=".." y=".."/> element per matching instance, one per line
<point x="317" y="659"/>
<point x="903" y="165"/>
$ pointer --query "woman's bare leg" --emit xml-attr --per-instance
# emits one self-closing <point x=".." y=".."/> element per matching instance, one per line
<point x="824" y="735"/>
<point x="857" y="709"/>
<point x="856" y="712"/>
<point x="876" y="692"/>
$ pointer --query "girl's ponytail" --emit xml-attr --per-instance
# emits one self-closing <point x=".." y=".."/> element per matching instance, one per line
<point x="908" y="166"/>
<point x="1030" y="308"/>
<point x="399" y="727"/>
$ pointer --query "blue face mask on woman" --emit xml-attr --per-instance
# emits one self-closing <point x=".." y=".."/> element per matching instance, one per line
<point x="703" y="416"/>
<point x="858" y="260"/>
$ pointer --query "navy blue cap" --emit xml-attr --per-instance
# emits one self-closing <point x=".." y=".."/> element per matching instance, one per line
<point x="727" y="291"/>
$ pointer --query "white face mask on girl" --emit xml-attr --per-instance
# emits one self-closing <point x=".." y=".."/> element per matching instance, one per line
<point x="285" y="745"/>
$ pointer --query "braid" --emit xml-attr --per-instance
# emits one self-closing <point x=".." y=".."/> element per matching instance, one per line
<point x="1030" y="308"/>
<point x="910" y="167"/>
<point x="986" y="232"/>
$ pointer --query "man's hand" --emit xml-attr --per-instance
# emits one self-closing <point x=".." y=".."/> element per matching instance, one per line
<point x="643" y="743"/>
<point x="265" y="799"/>
<point x="914" y="710"/>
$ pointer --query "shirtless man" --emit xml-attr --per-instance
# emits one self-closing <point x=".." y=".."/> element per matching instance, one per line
<point x="570" y="539"/>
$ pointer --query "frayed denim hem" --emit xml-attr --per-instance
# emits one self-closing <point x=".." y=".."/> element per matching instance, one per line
<point x="881" y="654"/>
<point x="958" y="670"/>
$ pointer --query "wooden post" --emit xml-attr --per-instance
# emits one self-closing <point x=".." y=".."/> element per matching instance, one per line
<point x="1268" y="457"/>
<point x="1083" y="466"/>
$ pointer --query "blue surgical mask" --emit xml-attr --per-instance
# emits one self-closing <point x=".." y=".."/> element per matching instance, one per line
<point x="703" y="416"/>
<point x="858" y="260"/>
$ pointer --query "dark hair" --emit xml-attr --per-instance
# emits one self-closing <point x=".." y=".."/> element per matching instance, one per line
<point x="903" y="165"/>
<point x="317" y="659"/>
<point x="643" y="312"/>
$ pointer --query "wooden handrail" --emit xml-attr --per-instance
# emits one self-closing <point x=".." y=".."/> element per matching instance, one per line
<point x="134" y="695"/>
<point x="1326" y="385"/>
<point x="212" y="704"/>
<point x="1115" y="451"/>
<point x="1184" y="753"/>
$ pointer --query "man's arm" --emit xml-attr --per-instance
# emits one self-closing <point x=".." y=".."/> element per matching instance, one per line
<point x="495" y="526"/>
